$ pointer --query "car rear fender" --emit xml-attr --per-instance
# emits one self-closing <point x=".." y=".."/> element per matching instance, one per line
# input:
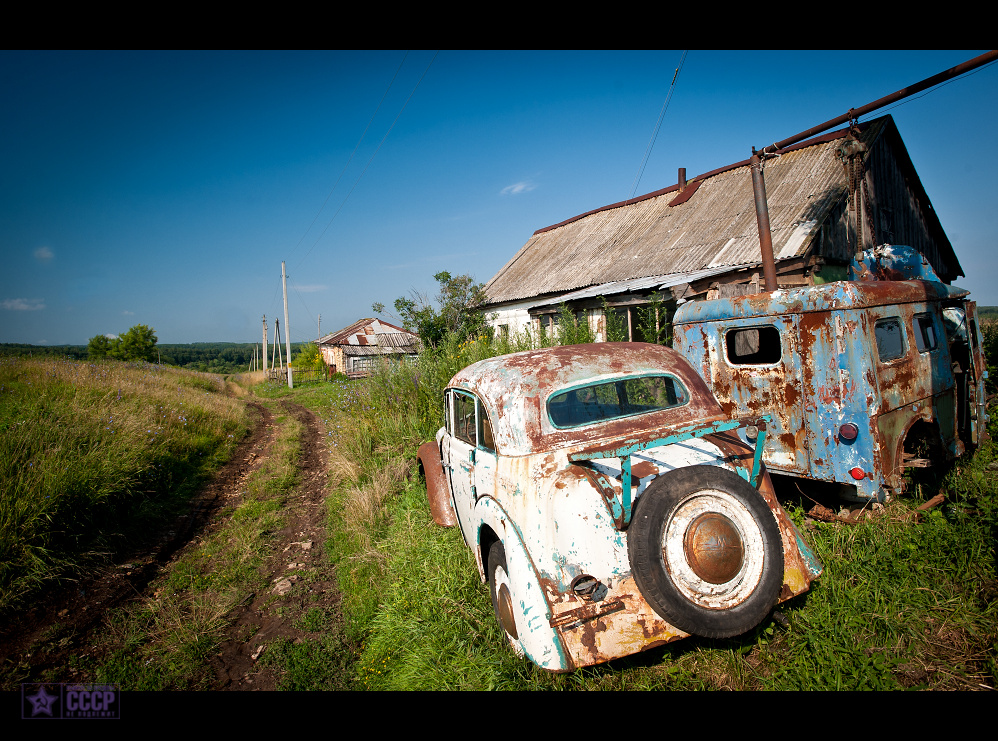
<point x="538" y="640"/>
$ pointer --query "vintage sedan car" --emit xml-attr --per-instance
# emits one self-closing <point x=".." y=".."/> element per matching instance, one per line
<point x="611" y="504"/>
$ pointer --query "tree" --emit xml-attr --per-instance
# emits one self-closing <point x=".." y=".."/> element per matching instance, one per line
<point x="138" y="343"/>
<point x="99" y="347"/>
<point x="459" y="300"/>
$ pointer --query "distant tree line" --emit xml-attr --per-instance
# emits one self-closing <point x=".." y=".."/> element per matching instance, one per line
<point x="140" y="343"/>
<point x="21" y="350"/>
<point x="218" y="357"/>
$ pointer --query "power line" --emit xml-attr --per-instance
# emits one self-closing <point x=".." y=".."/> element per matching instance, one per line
<point x="355" y="148"/>
<point x="937" y="87"/>
<point x="359" y="177"/>
<point x="658" y="125"/>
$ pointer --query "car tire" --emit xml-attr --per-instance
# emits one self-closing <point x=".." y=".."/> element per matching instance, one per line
<point x="502" y="597"/>
<point x="706" y="552"/>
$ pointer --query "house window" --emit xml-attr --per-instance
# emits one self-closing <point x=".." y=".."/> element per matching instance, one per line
<point x="890" y="339"/>
<point x="754" y="346"/>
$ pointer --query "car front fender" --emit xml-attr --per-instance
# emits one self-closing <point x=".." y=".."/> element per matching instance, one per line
<point x="437" y="488"/>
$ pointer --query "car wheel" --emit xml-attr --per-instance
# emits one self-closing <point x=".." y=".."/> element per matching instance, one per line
<point x="706" y="552"/>
<point x="502" y="597"/>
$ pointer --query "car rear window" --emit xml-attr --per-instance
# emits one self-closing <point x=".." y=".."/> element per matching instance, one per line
<point x="622" y="397"/>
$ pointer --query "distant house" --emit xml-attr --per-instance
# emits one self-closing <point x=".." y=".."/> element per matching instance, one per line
<point x="829" y="197"/>
<point x="354" y="350"/>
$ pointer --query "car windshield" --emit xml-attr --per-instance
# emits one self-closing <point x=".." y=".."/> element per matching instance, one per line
<point x="623" y="397"/>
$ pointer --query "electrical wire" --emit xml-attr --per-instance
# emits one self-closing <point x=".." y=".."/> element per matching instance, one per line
<point x="355" y="148"/>
<point x="658" y="124"/>
<point x="932" y="89"/>
<point x="359" y="177"/>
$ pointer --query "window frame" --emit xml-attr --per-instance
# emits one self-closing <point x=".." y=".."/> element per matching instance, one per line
<point x="759" y="327"/>
<point x="686" y="397"/>
<point x="901" y="333"/>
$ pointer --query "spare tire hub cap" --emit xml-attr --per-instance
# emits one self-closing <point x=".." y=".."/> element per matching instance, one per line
<point x="713" y="548"/>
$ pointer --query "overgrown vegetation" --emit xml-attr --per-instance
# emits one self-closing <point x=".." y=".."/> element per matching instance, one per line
<point x="456" y="312"/>
<point x="166" y="639"/>
<point x="92" y="455"/>
<point x="906" y="600"/>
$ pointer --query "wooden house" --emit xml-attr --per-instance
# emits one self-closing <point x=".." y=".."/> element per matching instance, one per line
<point x="355" y="350"/>
<point x="829" y="198"/>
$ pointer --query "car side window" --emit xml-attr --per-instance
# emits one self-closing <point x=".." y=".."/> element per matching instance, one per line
<point x="485" y="439"/>
<point x="925" y="332"/>
<point x="890" y="339"/>
<point x="753" y="346"/>
<point x="465" y="426"/>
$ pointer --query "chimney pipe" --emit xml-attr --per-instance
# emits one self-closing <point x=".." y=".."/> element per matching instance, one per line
<point x="682" y="179"/>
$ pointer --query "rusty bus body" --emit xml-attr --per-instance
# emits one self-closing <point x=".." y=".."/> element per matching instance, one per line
<point x="851" y="371"/>
<point x="572" y="513"/>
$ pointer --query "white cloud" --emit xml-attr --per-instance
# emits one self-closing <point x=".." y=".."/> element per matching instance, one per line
<point x="126" y="312"/>
<point x="311" y="289"/>
<point x="111" y="336"/>
<point x="23" y="304"/>
<point x="43" y="254"/>
<point x="516" y="188"/>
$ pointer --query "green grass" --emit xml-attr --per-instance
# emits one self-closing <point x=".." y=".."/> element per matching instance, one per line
<point x="901" y="604"/>
<point x="93" y="456"/>
<point x="166" y="640"/>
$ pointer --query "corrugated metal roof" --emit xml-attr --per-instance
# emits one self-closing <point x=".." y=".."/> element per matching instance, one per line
<point x="646" y="237"/>
<point x="356" y="334"/>
<point x="635" y="284"/>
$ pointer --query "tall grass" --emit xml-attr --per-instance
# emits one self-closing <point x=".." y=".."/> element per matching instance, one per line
<point x="904" y="601"/>
<point x="166" y="639"/>
<point x="93" y="453"/>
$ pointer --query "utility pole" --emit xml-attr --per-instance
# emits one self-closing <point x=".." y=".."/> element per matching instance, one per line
<point x="287" y="327"/>
<point x="277" y="346"/>
<point x="319" y="327"/>
<point x="265" y="342"/>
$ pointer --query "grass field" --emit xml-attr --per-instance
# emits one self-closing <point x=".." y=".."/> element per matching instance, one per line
<point x="905" y="601"/>
<point x="93" y="456"/>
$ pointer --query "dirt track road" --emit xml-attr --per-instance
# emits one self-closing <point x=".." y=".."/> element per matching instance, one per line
<point x="59" y="638"/>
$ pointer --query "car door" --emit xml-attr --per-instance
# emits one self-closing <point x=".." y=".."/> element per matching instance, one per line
<point x="462" y="459"/>
<point x="976" y="390"/>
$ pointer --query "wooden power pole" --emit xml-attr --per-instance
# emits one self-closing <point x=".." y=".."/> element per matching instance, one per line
<point x="265" y="342"/>
<point x="287" y="327"/>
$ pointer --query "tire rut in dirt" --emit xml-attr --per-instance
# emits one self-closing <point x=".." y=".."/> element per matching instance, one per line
<point x="276" y="612"/>
<point x="72" y="613"/>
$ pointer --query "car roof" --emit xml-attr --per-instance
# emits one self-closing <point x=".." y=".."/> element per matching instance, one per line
<point x="515" y="389"/>
<point x="825" y="297"/>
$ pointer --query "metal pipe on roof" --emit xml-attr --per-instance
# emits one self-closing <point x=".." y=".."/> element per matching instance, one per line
<point x="918" y="87"/>
<point x="762" y="219"/>
<point x="759" y="184"/>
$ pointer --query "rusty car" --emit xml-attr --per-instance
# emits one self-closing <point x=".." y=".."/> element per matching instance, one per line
<point x="612" y="505"/>
<point x="863" y="377"/>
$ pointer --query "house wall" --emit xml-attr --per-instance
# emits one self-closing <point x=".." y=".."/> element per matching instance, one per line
<point x="515" y="317"/>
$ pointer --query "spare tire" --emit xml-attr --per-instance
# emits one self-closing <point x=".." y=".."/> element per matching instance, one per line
<point x="705" y="551"/>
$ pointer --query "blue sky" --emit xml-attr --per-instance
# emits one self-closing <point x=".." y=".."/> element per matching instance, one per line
<point x="165" y="188"/>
